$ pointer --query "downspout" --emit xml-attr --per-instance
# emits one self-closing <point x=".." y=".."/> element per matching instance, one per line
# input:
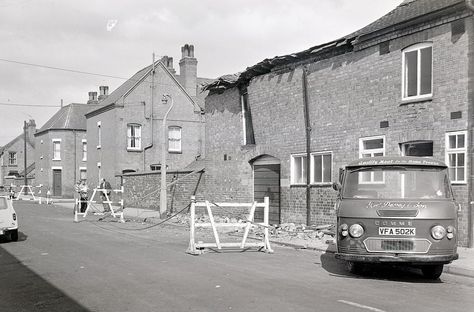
<point x="308" y="144"/>
<point x="470" y="129"/>
<point x="151" y="113"/>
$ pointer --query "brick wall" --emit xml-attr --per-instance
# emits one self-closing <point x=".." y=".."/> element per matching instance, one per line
<point x="349" y="95"/>
<point x="137" y="186"/>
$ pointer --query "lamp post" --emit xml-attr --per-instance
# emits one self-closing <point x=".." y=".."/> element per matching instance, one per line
<point x="163" y="190"/>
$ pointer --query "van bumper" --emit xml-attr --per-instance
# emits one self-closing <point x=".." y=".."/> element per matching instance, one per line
<point x="399" y="258"/>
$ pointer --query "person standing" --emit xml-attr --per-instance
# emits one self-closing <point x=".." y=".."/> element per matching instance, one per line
<point x="83" y="197"/>
<point x="106" y="190"/>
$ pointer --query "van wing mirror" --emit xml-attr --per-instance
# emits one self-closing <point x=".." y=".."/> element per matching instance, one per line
<point x="337" y="186"/>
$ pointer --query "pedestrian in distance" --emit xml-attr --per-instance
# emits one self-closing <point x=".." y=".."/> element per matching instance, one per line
<point x="83" y="197"/>
<point x="106" y="190"/>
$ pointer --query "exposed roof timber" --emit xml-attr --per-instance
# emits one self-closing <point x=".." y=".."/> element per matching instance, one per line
<point x="408" y="14"/>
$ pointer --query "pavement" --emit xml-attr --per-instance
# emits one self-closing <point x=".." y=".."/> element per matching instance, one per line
<point x="464" y="266"/>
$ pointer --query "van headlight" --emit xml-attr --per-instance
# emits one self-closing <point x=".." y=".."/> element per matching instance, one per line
<point x="356" y="230"/>
<point x="438" y="232"/>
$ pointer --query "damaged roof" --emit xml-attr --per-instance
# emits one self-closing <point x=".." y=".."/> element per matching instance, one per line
<point x="408" y="10"/>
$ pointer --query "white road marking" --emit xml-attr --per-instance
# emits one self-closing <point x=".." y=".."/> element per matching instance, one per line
<point x="360" y="306"/>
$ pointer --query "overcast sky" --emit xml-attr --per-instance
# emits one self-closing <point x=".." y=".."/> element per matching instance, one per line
<point x="117" y="38"/>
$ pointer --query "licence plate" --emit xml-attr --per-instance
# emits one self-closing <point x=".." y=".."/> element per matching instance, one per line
<point x="397" y="231"/>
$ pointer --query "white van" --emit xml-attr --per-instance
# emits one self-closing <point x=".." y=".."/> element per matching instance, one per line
<point x="8" y="219"/>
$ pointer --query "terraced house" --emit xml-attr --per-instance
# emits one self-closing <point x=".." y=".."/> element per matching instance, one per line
<point x="402" y="85"/>
<point x="126" y="133"/>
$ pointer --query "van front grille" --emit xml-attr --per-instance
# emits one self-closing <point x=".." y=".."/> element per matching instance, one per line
<point x="397" y="245"/>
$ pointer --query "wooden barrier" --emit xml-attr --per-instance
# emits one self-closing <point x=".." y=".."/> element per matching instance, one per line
<point x="196" y="248"/>
<point x="91" y="205"/>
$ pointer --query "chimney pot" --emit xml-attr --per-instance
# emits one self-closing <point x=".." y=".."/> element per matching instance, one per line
<point x="104" y="92"/>
<point x="92" y="98"/>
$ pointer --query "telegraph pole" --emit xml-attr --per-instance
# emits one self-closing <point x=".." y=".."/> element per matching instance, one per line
<point x="25" y="128"/>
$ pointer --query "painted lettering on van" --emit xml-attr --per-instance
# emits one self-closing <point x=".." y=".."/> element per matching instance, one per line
<point x="395" y="205"/>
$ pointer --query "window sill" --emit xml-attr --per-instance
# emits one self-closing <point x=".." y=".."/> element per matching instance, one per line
<point x="298" y="185"/>
<point x="134" y="149"/>
<point x="56" y="159"/>
<point x="325" y="184"/>
<point x="99" y="146"/>
<point x="416" y="100"/>
<point x="458" y="183"/>
<point x="175" y="152"/>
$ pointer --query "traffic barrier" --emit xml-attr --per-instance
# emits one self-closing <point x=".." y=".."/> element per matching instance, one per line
<point x="28" y="189"/>
<point x="116" y="213"/>
<point x="196" y="248"/>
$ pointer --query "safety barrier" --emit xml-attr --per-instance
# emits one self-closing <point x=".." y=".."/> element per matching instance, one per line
<point x="23" y="188"/>
<point x="195" y="248"/>
<point x="91" y="205"/>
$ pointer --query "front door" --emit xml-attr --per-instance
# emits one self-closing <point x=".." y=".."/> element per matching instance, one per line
<point x="57" y="184"/>
<point x="267" y="184"/>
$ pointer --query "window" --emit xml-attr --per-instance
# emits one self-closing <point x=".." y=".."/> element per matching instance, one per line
<point x="372" y="147"/>
<point x="321" y="168"/>
<point x="174" y="139"/>
<point x="417" y="71"/>
<point x="456" y="154"/>
<point x="298" y="169"/>
<point x="417" y="148"/>
<point x="134" y="137"/>
<point x="99" y="134"/>
<point x="84" y="150"/>
<point x="56" y="149"/>
<point x="12" y="159"/>
<point x="247" y="126"/>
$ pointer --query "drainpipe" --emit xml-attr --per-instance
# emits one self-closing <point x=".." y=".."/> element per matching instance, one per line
<point x="308" y="144"/>
<point x="470" y="129"/>
<point x="151" y="113"/>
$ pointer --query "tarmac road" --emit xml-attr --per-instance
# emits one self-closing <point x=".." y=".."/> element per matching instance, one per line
<point x="58" y="265"/>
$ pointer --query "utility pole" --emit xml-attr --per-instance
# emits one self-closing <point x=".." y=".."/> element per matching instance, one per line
<point x="25" y="128"/>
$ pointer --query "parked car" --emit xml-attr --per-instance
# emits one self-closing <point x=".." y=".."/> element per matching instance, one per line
<point x="8" y="219"/>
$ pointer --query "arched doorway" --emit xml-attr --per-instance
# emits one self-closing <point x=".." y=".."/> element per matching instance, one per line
<point x="266" y="180"/>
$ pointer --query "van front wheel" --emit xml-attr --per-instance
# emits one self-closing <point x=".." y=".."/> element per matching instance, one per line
<point x="432" y="271"/>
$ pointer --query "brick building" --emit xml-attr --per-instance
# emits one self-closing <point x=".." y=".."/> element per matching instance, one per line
<point x="12" y="163"/>
<point x="399" y="86"/>
<point x="125" y="132"/>
<point x="61" y="151"/>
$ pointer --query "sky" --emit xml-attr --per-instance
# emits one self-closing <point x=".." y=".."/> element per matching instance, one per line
<point x="88" y="40"/>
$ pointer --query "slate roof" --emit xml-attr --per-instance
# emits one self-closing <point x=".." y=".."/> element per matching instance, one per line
<point x="19" y="137"/>
<point x="124" y="88"/>
<point x="69" y="117"/>
<point x="406" y="12"/>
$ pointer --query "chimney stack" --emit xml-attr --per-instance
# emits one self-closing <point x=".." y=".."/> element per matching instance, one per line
<point x="104" y="92"/>
<point x="92" y="98"/>
<point x="188" y="69"/>
<point x="168" y="62"/>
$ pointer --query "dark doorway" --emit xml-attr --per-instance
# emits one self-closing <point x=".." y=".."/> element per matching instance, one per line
<point x="267" y="183"/>
<point x="57" y="183"/>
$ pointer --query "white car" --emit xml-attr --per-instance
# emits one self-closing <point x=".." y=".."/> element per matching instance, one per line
<point x="8" y="219"/>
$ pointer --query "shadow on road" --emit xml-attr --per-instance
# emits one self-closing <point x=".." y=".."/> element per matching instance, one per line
<point x="396" y="273"/>
<point x="24" y="290"/>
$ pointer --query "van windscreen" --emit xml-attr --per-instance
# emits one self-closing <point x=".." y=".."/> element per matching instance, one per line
<point x="397" y="182"/>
